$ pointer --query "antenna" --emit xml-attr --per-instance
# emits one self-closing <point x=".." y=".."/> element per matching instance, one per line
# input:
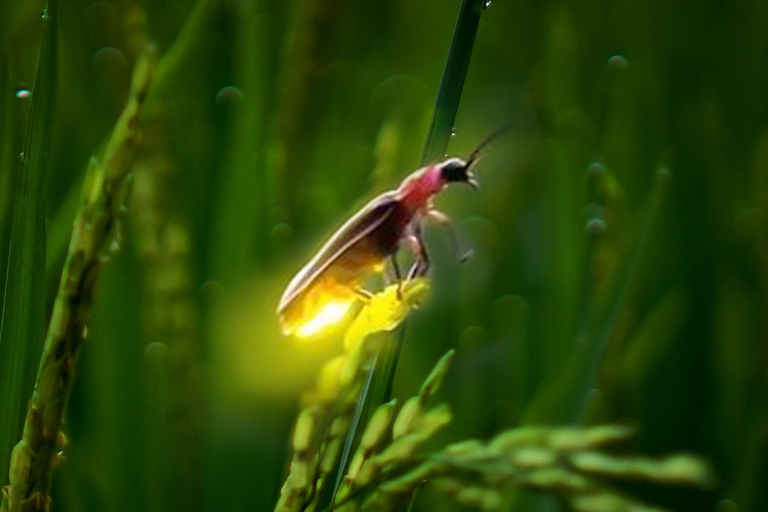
<point x="477" y="153"/>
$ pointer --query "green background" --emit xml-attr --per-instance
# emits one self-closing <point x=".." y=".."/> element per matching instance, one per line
<point x="620" y="234"/>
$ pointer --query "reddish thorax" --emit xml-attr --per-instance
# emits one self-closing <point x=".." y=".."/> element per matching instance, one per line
<point x="417" y="189"/>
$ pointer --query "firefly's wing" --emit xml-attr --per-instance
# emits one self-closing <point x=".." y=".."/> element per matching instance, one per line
<point x="365" y="221"/>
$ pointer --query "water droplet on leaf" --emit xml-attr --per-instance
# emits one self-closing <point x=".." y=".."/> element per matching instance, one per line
<point x="229" y="96"/>
<point x="23" y="94"/>
<point x="596" y="226"/>
<point x="596" y="169"/>
<point x="156" y="350"/>
<point x="487" y="4"/>
<point x="618" y="62"/>
<point x="117" y="238"/>
<point x="727" y="505"/>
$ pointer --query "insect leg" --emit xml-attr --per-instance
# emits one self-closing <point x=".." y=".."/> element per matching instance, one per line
<point x="445" y="221"/>
<point x="398" y="276"/>
<point x="388" y="275"/>
<point x="392" y="274"/>
<point x="416" y="245"/>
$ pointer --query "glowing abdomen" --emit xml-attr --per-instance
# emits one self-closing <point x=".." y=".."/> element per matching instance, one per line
<point x="328" y="298"/>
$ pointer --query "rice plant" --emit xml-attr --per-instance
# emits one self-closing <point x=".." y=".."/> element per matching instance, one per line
<point x="166" y="168"/>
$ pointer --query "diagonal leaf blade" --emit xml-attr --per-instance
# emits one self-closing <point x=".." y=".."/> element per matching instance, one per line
<point x="22" y="325"/>
<point x="452" y="82"/>
<point x="8" y="148"/>
<point x="378" y="386"/>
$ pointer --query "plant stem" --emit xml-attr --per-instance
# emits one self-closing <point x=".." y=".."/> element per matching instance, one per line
<point x="22" y="325"/>
<point x="93" y="239"/>
<point x="379" y="388"/>
<point x="436" y="142"/>
<point x="452" y="82"/>
<point x="595" y="354"/>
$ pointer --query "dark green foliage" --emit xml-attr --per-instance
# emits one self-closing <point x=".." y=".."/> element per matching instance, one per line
<point x="22" y="323"/>
<point x="591" y="296"/>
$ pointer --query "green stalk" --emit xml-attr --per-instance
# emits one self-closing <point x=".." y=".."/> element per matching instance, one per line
<point x="101" y="203"/>
<point x="379" y="388"/>
<point x="185" y="46"/>
<point x="8" y="160"/>
<point x="435" y="147"/>
<point x="595" y="355"/>
<point x="92" y="241"/>
<point x="162" y="242"/>
<point x="23" y="310"/>
<point x="452" y="82"/>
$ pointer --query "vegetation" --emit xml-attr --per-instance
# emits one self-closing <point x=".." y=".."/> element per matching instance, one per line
<point x="165" y="168"/>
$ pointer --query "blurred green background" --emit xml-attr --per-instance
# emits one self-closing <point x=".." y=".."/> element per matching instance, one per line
<point x="620" y="236"/>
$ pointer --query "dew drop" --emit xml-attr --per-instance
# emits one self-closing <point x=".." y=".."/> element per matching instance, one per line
<point x="487" y="4"/>
<point x="281" y="232"/>
<point x="117" y="238"/>
<point x="618" y="62"/>
<point x="453" y="131"/>
<point x="156" y="350"/>
<point x="43" y="14"/>
<point x="229" y="96"/>
<point x="596" y="169"/>
<point x="84" y="334"/>
<point x="23" y="94"/>
<point x="727" y="505"/>
<point x="21" y="156"/>
<point x="596" y="226"/>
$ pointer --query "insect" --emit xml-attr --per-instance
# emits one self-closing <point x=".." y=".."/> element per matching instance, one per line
<point x="322" y="292"/>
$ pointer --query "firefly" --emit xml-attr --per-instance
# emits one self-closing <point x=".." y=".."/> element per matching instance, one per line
<point x="325" y="289"/>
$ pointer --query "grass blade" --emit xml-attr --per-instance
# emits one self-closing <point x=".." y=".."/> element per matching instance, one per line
<point x="8" y="159"/>
<point x="378" y="388"/>
<point x="452" y="82"/>
<point x="600" y="340"/>
<point x="93" y="241"/>
<point x="436" y="145"/>
<point x="23" y="314"/>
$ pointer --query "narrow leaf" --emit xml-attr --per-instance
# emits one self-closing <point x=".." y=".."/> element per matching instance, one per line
<point x="23" y="316"/>
<point x="452" y="82"/>
<point x="378" y="388"/>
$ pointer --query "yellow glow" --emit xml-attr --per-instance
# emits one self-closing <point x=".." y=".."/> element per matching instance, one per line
<point x="386" y="310"/>
<point x="331" y="313"/>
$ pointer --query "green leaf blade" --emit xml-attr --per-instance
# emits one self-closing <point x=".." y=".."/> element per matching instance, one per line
<point x="22" y="326"/>
<point x="452" y="82"/>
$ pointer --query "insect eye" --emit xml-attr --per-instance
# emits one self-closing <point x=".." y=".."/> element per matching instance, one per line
<point x="454" y="170"/>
